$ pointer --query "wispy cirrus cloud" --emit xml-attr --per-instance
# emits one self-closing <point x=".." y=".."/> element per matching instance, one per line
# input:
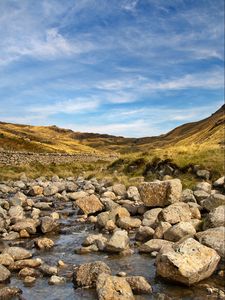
<point x="125" y="59"/>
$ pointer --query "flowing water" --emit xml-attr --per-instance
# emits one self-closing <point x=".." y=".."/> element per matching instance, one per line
<point x="71" y="236"/>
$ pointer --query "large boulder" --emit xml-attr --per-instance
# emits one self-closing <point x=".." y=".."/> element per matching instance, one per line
<point x="113" y="288"/>
<point x="187" y="262"/>
<point x="215" y="218"/>
<point x="89" y="204"/>
<point x="178" y="231"/>
<point x="118" y="242"/>
<point x="160" y="193"/>
<point x="213" y="238"/>
<point x="161" y="229"/>
<point x="86" y="275"/>
<point x="175" y="213"/>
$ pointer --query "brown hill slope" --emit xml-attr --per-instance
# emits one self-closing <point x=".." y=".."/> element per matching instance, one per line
<point x="53" y="139"/>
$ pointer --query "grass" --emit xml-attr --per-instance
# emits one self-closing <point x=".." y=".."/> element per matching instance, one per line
<point x="210" y="158"/>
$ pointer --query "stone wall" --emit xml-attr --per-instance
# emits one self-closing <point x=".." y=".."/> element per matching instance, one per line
<point x="21" y="158"/>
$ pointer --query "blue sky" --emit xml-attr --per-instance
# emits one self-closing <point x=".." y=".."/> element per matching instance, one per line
<point x="123" y="67"/>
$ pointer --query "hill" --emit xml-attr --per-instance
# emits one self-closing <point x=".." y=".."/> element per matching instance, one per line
<point x="209" y="131"/>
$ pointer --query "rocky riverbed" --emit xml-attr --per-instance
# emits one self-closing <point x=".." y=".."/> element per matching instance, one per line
<point x="87" y="239"/>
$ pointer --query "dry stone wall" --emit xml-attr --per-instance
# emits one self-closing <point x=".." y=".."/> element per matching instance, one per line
<point x="21" y="158"/>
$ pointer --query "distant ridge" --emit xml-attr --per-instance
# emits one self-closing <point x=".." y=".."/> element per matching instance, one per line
<point x="18" y="137"/>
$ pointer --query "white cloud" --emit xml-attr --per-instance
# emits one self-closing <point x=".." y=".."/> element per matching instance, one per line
<point x="213" y="80"/>
<point x="78" y="105"/>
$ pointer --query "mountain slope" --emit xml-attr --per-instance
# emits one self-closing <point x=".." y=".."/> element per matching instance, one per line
<point x="53" y="139"/>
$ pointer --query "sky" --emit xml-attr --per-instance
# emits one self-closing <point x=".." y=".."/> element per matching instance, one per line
<point x="123" y="67"/>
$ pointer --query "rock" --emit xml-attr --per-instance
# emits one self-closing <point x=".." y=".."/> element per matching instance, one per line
<point x="25" y="263"/>
<point x="55" y="280"/>
<point x="4" y="189"/>
<point x="86" y="275"/>
<point x="118" y="242"/>
<point x="213" y="201"/>
<point x="195" y="212"/>
<point x="187" y="262"/>
<point x="11" y="236"/>
<point x="215" y="218"/>
<point x="98" y="239"/>
<point x="110" y="225"/>
<point x="6" y="259"/>
<point x="204" y="174"/>
<point x="213" y="238"/>
<point x="90" y="204"/>
<point x="48" y="224"/>
<point x="71" y="187"/>
<point x="200" y="195"/>
<point x="43" y="205"/>
<point x="113" y="288"/>
<point x="4" y="273"/>
<point x="144" y="233"/>
<point x="188" y="196"/>
<point x="150" y="217"/>
<point x="133" y="193"/>
<point x="219" y="182"/>
<point x="28" y="272"/>
<point x="28" y="224"/>
<point x="109" y="204"/>
<point x="139" y="285"/>
<point x="161" y="193"/>
<point x="179" y="231"/>
<point x="44" y="243"/>
<point x="119" y="212"/>
<point x="17" y="253"/>
<point x="175" y="213"/>
<point x="203" y="186"/>
<point x="119" y="189"/>
<point x="131" y="206"/>
<point x="161" y="229"/>
<point x="88" y="249"/>
<point x="109" y="195"/>
<point x="29" y="280"/>
<point x="153" y="245"/>
<point x="50" y="190"/>
<point x="48" y="270"/>
<point x="128" y="223"/>
<point x="9" y="292"/>
<point x="104" y="217"/>
<point x="36" y="190"/>
<point x="16" y="212"/>
<point x="77" y="195"/>
<point x="197" y="224"/>
<point x="18" y="199"/>
<point x="24" y="233"/>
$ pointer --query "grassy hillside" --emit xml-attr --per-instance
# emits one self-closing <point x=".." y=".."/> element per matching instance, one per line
<point x="207" y="132"/>
<point x="193" y="143"/>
